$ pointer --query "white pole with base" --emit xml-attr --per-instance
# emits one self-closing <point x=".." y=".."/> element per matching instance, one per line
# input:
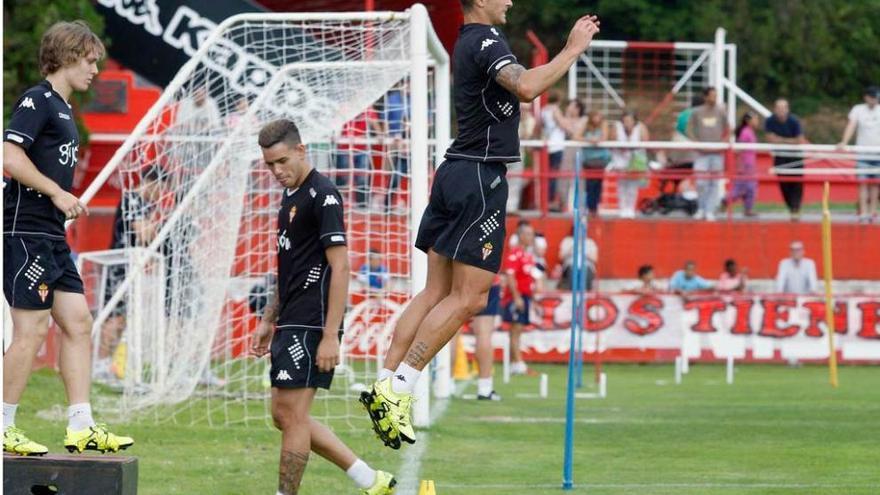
<point x="730" y="370"/>
<point x="678" y="360"/>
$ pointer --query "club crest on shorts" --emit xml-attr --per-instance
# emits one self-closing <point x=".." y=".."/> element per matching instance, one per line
<point x="291" y="214"/>
<point x="43" y="291"/>
<point x="487" y="250"/>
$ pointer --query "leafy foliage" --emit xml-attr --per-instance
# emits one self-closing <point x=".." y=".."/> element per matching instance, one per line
<point x="817" y="53"/>
<point x="24" y="22"/>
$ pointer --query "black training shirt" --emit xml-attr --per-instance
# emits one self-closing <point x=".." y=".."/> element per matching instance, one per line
<point x="310" y="220"/>
<point x="42" y="124"/>
<point x="488" y="114"/>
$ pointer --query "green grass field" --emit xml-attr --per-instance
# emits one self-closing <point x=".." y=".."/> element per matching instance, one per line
<point x="778" y="430"/>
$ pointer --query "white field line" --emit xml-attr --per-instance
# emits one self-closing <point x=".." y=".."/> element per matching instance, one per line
<point x="408" y="474"/>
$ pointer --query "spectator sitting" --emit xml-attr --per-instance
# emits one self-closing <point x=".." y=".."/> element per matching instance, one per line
<point x="784" y="128"/>
<point x="374" y="273"/>
<point x="687" y="280"/>
<point x="797" y="275"/>
<point x="566" y="261"/>
<point x="732" y="279"/>
<point x="745" y="186"/>
<point x="865" y="118"/>
<point x="646" y="279"/>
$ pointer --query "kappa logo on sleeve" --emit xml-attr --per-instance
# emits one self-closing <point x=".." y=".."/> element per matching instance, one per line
<point x="28" y="103"/>
<point x="487" y="43"/>
<point x="330" y="200"/>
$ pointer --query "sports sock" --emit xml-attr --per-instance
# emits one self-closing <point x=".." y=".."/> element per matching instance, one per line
<point x="404" y="380"/>
<point x="362" y="474"/>
<point x="9" y="415"/>
<point x="484" y="386"/>
<point x="384" y="373"/>
<point x="79" y="416"/>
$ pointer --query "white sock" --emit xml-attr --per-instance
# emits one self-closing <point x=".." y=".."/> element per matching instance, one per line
<point x="362" y="474"/>
<point x="79" y="416"/>
<point x="9" y="415"/>
<point x="404" y="380"/>
<point x="484" y="386"/>
<point x="384" y="373"/>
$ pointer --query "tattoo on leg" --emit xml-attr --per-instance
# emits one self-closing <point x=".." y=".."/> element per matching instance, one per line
<point x="290" y="471"/>
<point x="416" y="355"/>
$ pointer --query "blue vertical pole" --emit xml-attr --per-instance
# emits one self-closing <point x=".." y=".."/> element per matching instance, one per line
<point x="576" y="307"/>
<point x="578" y="283"/>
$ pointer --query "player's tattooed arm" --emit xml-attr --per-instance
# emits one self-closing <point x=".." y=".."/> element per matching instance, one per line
<point x="270" y="314"/>
<point x="290" y="471"/>
<point x="509" y="78"/>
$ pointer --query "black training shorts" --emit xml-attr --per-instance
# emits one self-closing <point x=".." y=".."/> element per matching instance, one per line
<point x="294" y="363"/>
<point x="464" y="220"/>
<point x="34" y="268"/>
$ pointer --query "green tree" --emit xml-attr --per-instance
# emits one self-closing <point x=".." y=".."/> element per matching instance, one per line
<point x="819" y="53"/>
<point x="24" y="23"/>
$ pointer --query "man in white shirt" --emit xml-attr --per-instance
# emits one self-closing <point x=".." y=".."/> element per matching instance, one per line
<point x="797" y="275"/>
<point x="865" y="118"/>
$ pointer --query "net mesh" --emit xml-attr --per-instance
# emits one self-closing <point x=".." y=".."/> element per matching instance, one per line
<point x="212" y="218"/>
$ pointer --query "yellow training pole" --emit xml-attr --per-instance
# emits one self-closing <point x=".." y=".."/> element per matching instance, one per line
<point x="829" y="299"/>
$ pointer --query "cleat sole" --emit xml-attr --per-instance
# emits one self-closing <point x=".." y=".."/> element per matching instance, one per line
<point x="375" y="416"/>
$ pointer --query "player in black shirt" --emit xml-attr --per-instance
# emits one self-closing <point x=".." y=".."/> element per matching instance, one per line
<point x="303" y="318"/>
<point x="39" y="277"/>
<point x="462" y="229"/>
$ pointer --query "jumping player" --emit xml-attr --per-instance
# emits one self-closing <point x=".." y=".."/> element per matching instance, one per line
<point x="39" y="277"/>
<point x="303" y="318"/>
<point x="462" y="229"/>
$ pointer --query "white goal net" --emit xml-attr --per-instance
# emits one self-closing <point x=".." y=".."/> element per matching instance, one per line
<point x="369" y="92"/>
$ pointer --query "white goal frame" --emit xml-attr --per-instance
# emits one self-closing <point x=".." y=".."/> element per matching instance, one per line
<point x="425" y="50"/>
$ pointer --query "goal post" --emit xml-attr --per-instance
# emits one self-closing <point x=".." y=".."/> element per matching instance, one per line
<point x="370" y="94"/>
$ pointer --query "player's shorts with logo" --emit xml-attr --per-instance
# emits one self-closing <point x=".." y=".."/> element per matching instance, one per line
<point x="34" y="268"/>
<point x="294" y="360"/>
<point x="464" y="220"/>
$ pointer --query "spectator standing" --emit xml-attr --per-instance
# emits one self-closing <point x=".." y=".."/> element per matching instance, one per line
<point x="708" y="124"/>
<point x="784" y="128"/>
<point x="797" y="274"/>
<point x="687" y="280"/>
<point x="732" y="279"/>
<point x="683" y="159"/>
<point x="575" y="121"/>
<point x="518" y="268"/>
<point x="553" y="131"/>
<point x="527" y="128"/>
<point x="396" y="112"/>
<point x="745" y="186"/>
<point x="632" y="163"/>
<point x="864" y="119"/>
<point x="594" y="159"/>
<point x="353" y="154"/>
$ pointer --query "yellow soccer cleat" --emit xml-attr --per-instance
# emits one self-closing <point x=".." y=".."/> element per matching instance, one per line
<point x="381" y="423"/>
<point x="398" y="409"/>
<point x="384" y="484"/>
<point x="95" y="438"/>
<point x="16" y="442"/>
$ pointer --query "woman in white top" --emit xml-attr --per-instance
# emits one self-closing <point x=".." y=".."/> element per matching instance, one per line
<point x="553" y="126"/>
<point x="630" y="163"/>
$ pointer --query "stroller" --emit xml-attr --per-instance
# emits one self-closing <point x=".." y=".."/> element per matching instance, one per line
<point x="669" y="198"/>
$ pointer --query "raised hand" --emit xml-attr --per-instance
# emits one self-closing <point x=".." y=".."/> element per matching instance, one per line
<point x="582" y="33"/>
